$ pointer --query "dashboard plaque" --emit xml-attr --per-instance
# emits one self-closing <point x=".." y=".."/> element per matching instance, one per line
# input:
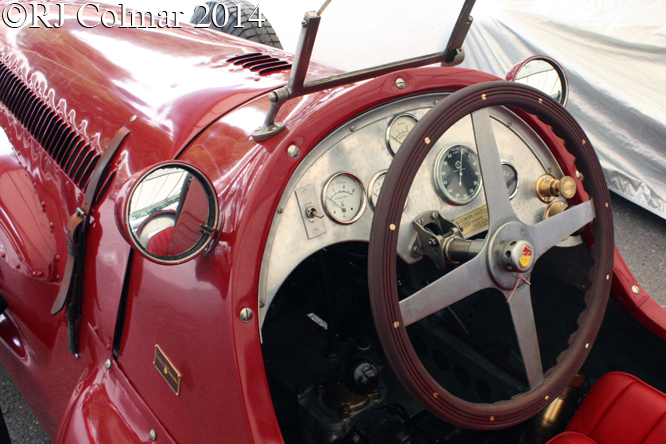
<point x="473" y="221"/>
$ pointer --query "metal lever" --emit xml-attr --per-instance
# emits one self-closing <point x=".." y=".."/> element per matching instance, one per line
<point x="311" y="212"/>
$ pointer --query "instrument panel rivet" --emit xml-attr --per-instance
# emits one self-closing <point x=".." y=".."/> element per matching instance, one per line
<point x="547" y="398"/>
<point x="540" y="100"/>
<point x="246" y="315"/>
<point x="608" y="277"/>
<point x="435" y="395"/>
<point x="492" y="418"/>
<point x="352" y="128"/>
<point x="427" y="140"/>
<point x="578" y="174"/>
<point x="107" y="364"/>
<point x="293" y="151"/>
<point x="635" y="289"/>
<point x="583" y="142"/>
<point x="396" y="324"/>
<point x="153" y="435"/>
<point x="392" y="227"/>
<point x="606" y="204"/>
<point x="587" y="345"/>
<point x="400" y="83"/>
<point x="133" y="118"/>
<point x="483" y="97"/>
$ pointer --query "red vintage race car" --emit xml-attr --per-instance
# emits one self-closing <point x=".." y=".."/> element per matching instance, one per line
<point x="195" y="247"/>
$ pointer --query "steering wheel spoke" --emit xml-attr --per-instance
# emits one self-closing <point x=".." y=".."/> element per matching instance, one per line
<point x="520" y="305"/>
<point x="500" y="210"/>
<point x="449" y="289"/>
<point x="554" y="230"/>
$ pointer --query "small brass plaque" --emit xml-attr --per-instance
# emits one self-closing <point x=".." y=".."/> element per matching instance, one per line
<point x="167" y="370"/>
<point x="473" y="220"/>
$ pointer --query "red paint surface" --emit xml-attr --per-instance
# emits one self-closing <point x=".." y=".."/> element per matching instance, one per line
<point x="191" y="310"/>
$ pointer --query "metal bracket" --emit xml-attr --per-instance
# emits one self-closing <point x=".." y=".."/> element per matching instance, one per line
<point x="441" y="240"/>
<point x="431" y="230"/>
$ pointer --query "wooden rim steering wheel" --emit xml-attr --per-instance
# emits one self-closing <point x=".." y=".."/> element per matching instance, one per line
<point x="487" y="269"/>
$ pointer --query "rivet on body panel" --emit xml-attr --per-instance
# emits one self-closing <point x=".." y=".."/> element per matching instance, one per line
<point x="153" y="435"/>
<point x="246" y="315"/>
<point x="635" y="289"/>
<point x="133" y="118"/>
<point x="107" y="364"/>
<point x="400" y="83"/>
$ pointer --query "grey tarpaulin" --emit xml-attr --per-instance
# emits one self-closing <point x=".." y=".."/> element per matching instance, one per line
<point x="614" y="53"/>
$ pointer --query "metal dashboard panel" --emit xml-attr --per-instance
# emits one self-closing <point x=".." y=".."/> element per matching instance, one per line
<point x="359" y="147"/>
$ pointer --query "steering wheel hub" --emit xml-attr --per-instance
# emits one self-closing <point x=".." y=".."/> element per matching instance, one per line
<point x="510" y="254"/>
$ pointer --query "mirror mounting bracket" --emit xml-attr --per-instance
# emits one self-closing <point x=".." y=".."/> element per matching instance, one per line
<point x="452" y="55"/>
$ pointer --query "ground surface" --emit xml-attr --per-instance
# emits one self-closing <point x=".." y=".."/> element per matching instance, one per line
<point x="639" y="234"/>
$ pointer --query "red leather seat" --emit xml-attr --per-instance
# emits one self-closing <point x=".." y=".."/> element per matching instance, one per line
<point x="619" y="409"/>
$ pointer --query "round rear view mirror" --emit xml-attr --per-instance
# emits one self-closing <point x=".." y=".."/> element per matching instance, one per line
<point x="168" y="213"/>
<point x="544" y="74"/>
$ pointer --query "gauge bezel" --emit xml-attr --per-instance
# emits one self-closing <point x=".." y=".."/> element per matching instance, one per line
<point x="325" y="202"/>
<point x="439" y="186"/>
<point x="515" y="170"/>
<point x="390" y="125"/>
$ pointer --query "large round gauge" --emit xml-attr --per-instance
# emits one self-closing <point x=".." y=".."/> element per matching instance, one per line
<point x="397" y="130"/>
<point x="511" y="178"/>
<point x="457" y="174"/>
<point x="344" y="198"/>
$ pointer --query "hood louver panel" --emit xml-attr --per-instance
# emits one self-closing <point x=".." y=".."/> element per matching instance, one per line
<point x="69" y="149"/>
<point x="260" y="63"/>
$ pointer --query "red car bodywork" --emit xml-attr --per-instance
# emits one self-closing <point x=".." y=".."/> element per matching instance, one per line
<point x="181" y="99"/>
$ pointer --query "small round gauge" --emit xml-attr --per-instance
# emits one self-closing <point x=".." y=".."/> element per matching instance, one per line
<point x="344" y="198"/>
<point x="397" y="130"/>
<point x="511" y="178"/>
<point x="375" y="187"/>
<point x="457" y="174"/>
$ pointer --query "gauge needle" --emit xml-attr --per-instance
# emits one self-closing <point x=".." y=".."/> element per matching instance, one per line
<point x="461" y="169"/>
<point x="344" y="210"/>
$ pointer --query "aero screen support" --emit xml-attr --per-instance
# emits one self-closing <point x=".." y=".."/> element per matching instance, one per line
<point x="451" y="56"/>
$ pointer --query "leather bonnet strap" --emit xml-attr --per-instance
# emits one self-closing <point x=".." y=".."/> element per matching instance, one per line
<point x="76" y="226"/>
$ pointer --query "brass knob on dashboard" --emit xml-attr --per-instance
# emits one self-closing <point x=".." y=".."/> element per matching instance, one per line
<point x="547" y="187"/>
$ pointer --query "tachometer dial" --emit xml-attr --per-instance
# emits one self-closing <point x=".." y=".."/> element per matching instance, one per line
<point x="457" y="174"/>
<point x="344" y="198"/>
<point x="397" y="130"/>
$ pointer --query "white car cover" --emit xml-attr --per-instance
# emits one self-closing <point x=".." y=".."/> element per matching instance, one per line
<point x="614" y="54"/>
